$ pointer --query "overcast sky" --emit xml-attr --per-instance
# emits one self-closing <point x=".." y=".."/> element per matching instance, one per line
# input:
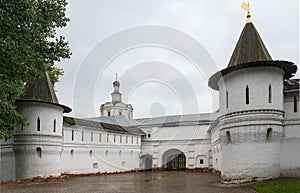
<point x="164" y="51"/>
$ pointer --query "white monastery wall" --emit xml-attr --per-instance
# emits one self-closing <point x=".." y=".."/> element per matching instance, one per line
<point x="104" y="152"/>
<point x="7" y="160"/>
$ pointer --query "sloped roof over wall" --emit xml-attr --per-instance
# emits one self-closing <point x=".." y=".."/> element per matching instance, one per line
<point x="105" y="126"/>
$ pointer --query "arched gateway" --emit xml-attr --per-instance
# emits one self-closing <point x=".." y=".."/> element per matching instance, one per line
<point x="174" y="159"/>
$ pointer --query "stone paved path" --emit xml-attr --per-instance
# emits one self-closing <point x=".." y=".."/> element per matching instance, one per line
<point x="148" y="182"/>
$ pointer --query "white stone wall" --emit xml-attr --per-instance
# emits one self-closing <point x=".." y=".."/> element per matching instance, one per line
<point x="290" y="144"/>
<point x="7" y="160"/>
<point x="289" y="105"/>
<point x="258" y="81"/>
<point x="249" y="155"/>
<point x="108" y="154"/>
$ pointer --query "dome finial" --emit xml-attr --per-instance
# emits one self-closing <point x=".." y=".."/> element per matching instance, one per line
<point x="245" y="6"/>
<point x="116" y="76"/>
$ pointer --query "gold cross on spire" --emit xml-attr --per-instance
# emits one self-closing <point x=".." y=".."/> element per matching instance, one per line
<point x="245" y="6"/>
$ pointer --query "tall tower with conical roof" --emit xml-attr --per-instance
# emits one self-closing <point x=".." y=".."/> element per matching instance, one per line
<point x="116" y="107"/>
<point x="38" y="145"/>
<point x="251" y="109"/>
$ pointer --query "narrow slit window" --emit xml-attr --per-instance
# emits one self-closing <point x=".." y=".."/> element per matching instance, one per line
<point x="114" y="138"/>
<point x="108" y="113"/>
<point x="107" y="138"/>
<point x="120" y="138"/>
<point x="91" y="153"/>
<point x="39" y="152"/>
<point x="269" y="135"/>
<point x="228" y="137"/>
<point x="82" y="135"/>
<point x="99" y="137"/>
<point x="72" y="135"/>
<point x="247" y="95"/>
<point x="226" y="99"/>
<point x="38" y="124"/>
<point x="295" y="104"/>
<point x="92" y="136"/>
<point x="72" y="152"/>
<point x="270" y="93"/>
<point x="54" y="125"/>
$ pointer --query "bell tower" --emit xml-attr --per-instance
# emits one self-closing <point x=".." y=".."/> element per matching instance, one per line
<point x="116" y="107"/>
<point x="116" y="95"/>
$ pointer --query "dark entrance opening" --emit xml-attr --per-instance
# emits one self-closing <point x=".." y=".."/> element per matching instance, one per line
<point x="176" y="163"/>
<point x="147" y="163"/>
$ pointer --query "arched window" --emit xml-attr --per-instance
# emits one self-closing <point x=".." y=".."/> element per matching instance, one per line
<point x="226" y="99"/>
<point x="54" y="125"/>
<point x="247" y="95"/>
<point x="39" y="152"/>
<point x="108" y="113"/>
<point x="72" y="152"/>
<point x="295" y="104"/>
<point x="95" y="165"/>
<point x="270" y="93"/>
<point x="38" y="124"/>
<point x="72" y="135"/>
<point x="269" y="135"/>
<point x="91" y="153"/>
<point x="228" y="138"/>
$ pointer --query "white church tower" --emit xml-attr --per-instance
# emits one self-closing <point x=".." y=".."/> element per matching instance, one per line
<point x="251" y="109"/>
<point x="38" y="145"/>
<point x="116" y="106"/>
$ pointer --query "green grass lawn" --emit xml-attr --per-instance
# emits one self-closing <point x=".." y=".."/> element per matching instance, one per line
<point x="288" y="186"/>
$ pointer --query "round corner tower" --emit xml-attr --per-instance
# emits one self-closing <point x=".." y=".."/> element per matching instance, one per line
<point x="251" y="109"/>
<point x="38" y="144"/>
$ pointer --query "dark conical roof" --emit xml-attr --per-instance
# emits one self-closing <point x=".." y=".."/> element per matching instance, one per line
<point x="42" y="90"/>
<point x="249" y="48"/>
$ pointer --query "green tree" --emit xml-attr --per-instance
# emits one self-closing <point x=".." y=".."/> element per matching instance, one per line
<point x="29" y="46"/>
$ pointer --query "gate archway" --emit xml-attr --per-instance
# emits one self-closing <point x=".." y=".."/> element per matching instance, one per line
<point x="174" y="159"/>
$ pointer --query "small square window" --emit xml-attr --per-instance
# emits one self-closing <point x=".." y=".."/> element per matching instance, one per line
<point x="201" y="161"/>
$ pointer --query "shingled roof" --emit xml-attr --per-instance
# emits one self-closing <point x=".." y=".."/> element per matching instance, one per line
<point x="250" y="52"/>
<point x="249" y="48"/>
<point x="41" y="90"/>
